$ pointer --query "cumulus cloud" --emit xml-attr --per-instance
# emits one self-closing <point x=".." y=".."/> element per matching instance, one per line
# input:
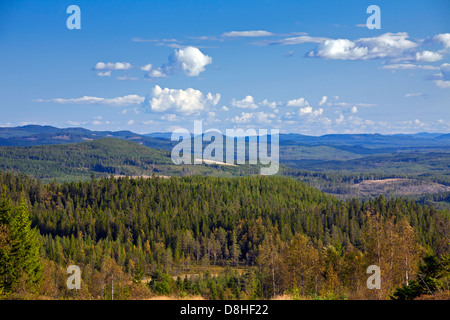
<point x="247" y="103"/>
<point x="185" y="101"/>
<point x="339" y="49"/>
<point x="189" y="60"/>
<point x="147" y="67"/>
<point x="157" y="73"/>
<point x="260" y="117"/>
<point x="309" y="111"/>
<point x="388" y="45"/>
<point x="443" y="38"/>
<point x="115" y="102"/>
<point x="269" y="104"/>
<point x="245" y="117"/>
<point x="428" y="56"/>
<point x="251" y="33"/>
<point x="300" y="102"/>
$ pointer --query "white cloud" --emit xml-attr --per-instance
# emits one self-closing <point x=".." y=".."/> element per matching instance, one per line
<point x="189" y="60"/>
<point x="442" y="84"/>
<point x="388" y="45"/>
<point x="339" y="49"/>
<point x="124" y="78"/>
<point x="169" y="117"/>
<point x="289" y="115"/>
<point x="115" y="102"/>
<point x="247" y="103"/>
<point x="130" y="122"/>
<point x="185" y="101"/>
<point x="112" y="66"/>
<point x="298" y="40"/>
<point x="245" y="117"/>
<point x="252" y="33"/>
<point x="443" y="38"/>
<point x="442" y="80"/>
<point x="445" y="71"/>
<point x="354" y="109"/>
<point x="157" y="73"/>
<point x="300" y="102"/>
<point x="104" y="74"/>
<point x="147" y="67"/>
<point x="260" y="117"/>
<point x="428" y="56"/>
<point x="409" y="66"/>
<point x="270" y="104"/>
<point x="309" y="111"/>
<point x="263" y="117"/>
<point x="414" y="94"/>
<point x="325" y="121"/>
<point x="323" y="101"/>
<point x="357" y="121"/>
<point x="340" y="119"/>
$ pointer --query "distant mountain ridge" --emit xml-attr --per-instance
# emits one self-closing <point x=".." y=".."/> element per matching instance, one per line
<point x="30" y="135"/>
<point x="33" y="135"/>
<point x="294" y="148"/>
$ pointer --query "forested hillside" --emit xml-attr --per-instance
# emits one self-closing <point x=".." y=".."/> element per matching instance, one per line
<point x="255" y="237"/>
<point x="102" y="157"/>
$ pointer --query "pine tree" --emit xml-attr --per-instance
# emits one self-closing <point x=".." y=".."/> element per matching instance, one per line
<point x="22" y="263"/>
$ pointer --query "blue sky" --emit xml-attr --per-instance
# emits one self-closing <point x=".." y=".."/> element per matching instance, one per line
<point x="310" y="67"/>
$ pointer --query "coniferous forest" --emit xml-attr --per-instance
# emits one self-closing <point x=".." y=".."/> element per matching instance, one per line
<point x="217" y="238"/>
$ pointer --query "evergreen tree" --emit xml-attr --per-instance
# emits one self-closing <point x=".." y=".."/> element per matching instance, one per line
<point x="20" y="261"/>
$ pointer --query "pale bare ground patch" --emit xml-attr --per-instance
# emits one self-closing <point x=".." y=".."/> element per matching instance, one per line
<point x="400" y="186"/>
<point x="208" y="161"/>
<point x="196" y="297"/>
<point x="117" y="176"/>
<point x="384" y="181"/>
<point x="282" y="297"/>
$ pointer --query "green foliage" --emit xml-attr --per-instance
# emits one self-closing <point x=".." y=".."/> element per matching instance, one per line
<point x="433" y="276"/>
<point x="161" y="283"/>
<point x="20" y="252"/>
<point x="259" y="227"/>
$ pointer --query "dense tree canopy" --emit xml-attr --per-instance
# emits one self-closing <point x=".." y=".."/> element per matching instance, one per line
<point x="283" y="234"/>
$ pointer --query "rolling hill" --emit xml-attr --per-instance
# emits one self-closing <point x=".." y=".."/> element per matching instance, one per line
<point x="103" y="157"/>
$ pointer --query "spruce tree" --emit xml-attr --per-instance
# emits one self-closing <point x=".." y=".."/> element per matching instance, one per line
<point x="21" y="261"/>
